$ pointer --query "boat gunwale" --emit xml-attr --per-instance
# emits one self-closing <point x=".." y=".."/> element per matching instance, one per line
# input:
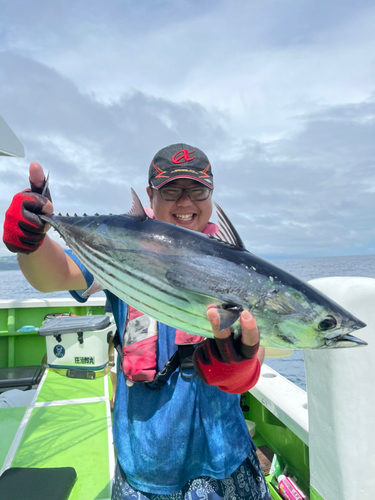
<point x="53" y="302"/>
<point x="285" y="400"/>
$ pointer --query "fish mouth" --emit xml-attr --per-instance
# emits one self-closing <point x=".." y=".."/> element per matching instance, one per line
<point x="346" y="340"/>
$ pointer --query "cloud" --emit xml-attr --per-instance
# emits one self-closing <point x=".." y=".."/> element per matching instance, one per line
<point x="95" y="152"/>
<point x="311" y="193"/>
<point x="280" y="95"/>
<point x="262" y="58"/>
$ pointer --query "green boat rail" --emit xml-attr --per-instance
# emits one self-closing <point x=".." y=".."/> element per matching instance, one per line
<point x="279" y="409"/>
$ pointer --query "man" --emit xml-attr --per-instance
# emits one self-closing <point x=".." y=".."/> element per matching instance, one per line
<point x="176" y="437"/>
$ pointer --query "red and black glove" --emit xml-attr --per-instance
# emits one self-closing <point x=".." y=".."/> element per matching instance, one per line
<point x="227" y="363"/>
<point x="23" y="229"/>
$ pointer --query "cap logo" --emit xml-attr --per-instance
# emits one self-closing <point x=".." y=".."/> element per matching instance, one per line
<point x="182" y="156"/>
<point x="160" y="172"/>
<point x="204" y="172"/>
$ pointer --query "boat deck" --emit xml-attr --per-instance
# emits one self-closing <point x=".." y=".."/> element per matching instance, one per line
<point x="68" y="423"/>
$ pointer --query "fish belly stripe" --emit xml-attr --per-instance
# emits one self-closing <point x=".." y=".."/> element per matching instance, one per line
<point x="95" y="266"/>
<point x="102" y="275"/>
<point x="138" y="275"/>
<point x="160" y="311"/>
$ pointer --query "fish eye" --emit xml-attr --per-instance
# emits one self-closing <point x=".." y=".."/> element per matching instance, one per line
<point x="328" y="323"/>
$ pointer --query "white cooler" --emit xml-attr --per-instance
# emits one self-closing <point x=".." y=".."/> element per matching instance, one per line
<point x="79" y="346"/>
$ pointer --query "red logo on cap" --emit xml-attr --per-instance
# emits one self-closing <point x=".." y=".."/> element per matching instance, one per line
<point x="182" y="156"/>
<point x="160" y="172"/>
<point x="204" y="172"/>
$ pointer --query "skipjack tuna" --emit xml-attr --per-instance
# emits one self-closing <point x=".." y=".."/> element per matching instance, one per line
<point x="171" y="274"/>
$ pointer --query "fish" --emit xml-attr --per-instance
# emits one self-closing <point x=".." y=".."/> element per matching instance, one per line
<point x="172" y="274"/>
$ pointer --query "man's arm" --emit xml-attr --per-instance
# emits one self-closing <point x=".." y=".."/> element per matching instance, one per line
<point x="50" y="269"/>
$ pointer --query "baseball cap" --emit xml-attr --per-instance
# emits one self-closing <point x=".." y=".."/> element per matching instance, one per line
<point x="180" y="161"/>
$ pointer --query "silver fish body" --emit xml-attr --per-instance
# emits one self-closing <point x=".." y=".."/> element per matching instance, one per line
<point x="172" y="274"/>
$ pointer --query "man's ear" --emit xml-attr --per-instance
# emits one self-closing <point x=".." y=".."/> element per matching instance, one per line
<point x="150" y="194"/>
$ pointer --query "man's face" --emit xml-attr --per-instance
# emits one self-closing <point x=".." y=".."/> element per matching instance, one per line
<point x="183" y="212"/>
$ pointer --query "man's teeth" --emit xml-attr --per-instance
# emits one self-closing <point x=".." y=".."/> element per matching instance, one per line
<point x="185" y="217"/>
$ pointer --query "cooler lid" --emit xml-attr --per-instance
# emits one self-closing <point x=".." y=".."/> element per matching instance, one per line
<point x="73" y="324"/>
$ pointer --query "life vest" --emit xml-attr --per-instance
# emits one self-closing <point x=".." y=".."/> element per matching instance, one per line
<point x="138" y="351"/>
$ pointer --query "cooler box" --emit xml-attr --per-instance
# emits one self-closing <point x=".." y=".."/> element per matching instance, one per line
<point x="79" y="344"/>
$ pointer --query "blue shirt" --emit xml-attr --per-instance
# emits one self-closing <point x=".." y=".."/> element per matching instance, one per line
<point x="184" y="430"/>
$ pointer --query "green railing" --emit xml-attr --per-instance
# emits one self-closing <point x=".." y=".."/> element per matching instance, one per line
<point x="270" y="431"/>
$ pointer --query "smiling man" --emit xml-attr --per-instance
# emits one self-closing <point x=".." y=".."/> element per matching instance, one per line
<point x="189" y="203"/>
<point x="179" y="434"/>
<point x="180" y="186"/>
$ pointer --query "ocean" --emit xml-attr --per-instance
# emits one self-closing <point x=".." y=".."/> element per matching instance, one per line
<point x="14" y="286"/>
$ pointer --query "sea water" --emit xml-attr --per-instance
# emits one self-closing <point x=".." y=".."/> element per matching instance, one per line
<point x="14" y="286"/>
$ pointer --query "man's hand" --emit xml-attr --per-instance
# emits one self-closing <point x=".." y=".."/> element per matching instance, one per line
<point x="38" y="181"/>
<point x="230" y="364"/>
<point x="247" y="344"/>
<point x="24" y="231"/>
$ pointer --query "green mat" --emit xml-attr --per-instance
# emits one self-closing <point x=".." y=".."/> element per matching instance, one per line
<point x="59" y="388"/>
<point x="10" y="419"/>
<point x="66" y="433"/>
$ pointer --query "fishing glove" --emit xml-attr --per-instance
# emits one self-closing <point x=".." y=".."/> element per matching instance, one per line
<point x="228" y="364"/>
<point x="23" y="229"/>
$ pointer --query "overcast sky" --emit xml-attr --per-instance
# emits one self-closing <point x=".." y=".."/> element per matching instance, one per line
<point x="280" y="94"/>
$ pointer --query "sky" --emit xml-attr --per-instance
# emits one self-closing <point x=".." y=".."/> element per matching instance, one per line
<point x="280" y="95"/>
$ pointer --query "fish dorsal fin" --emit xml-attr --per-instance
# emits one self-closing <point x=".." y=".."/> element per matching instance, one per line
<point x="227" y="231"/>
<point x="137" y="209"/>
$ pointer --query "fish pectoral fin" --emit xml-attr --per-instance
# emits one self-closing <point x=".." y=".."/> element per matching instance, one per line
<point x="228" y="316"/>
<point x="95" y="287"/>
<point x="195" y="276"/>
<point x="188" y="276"/>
